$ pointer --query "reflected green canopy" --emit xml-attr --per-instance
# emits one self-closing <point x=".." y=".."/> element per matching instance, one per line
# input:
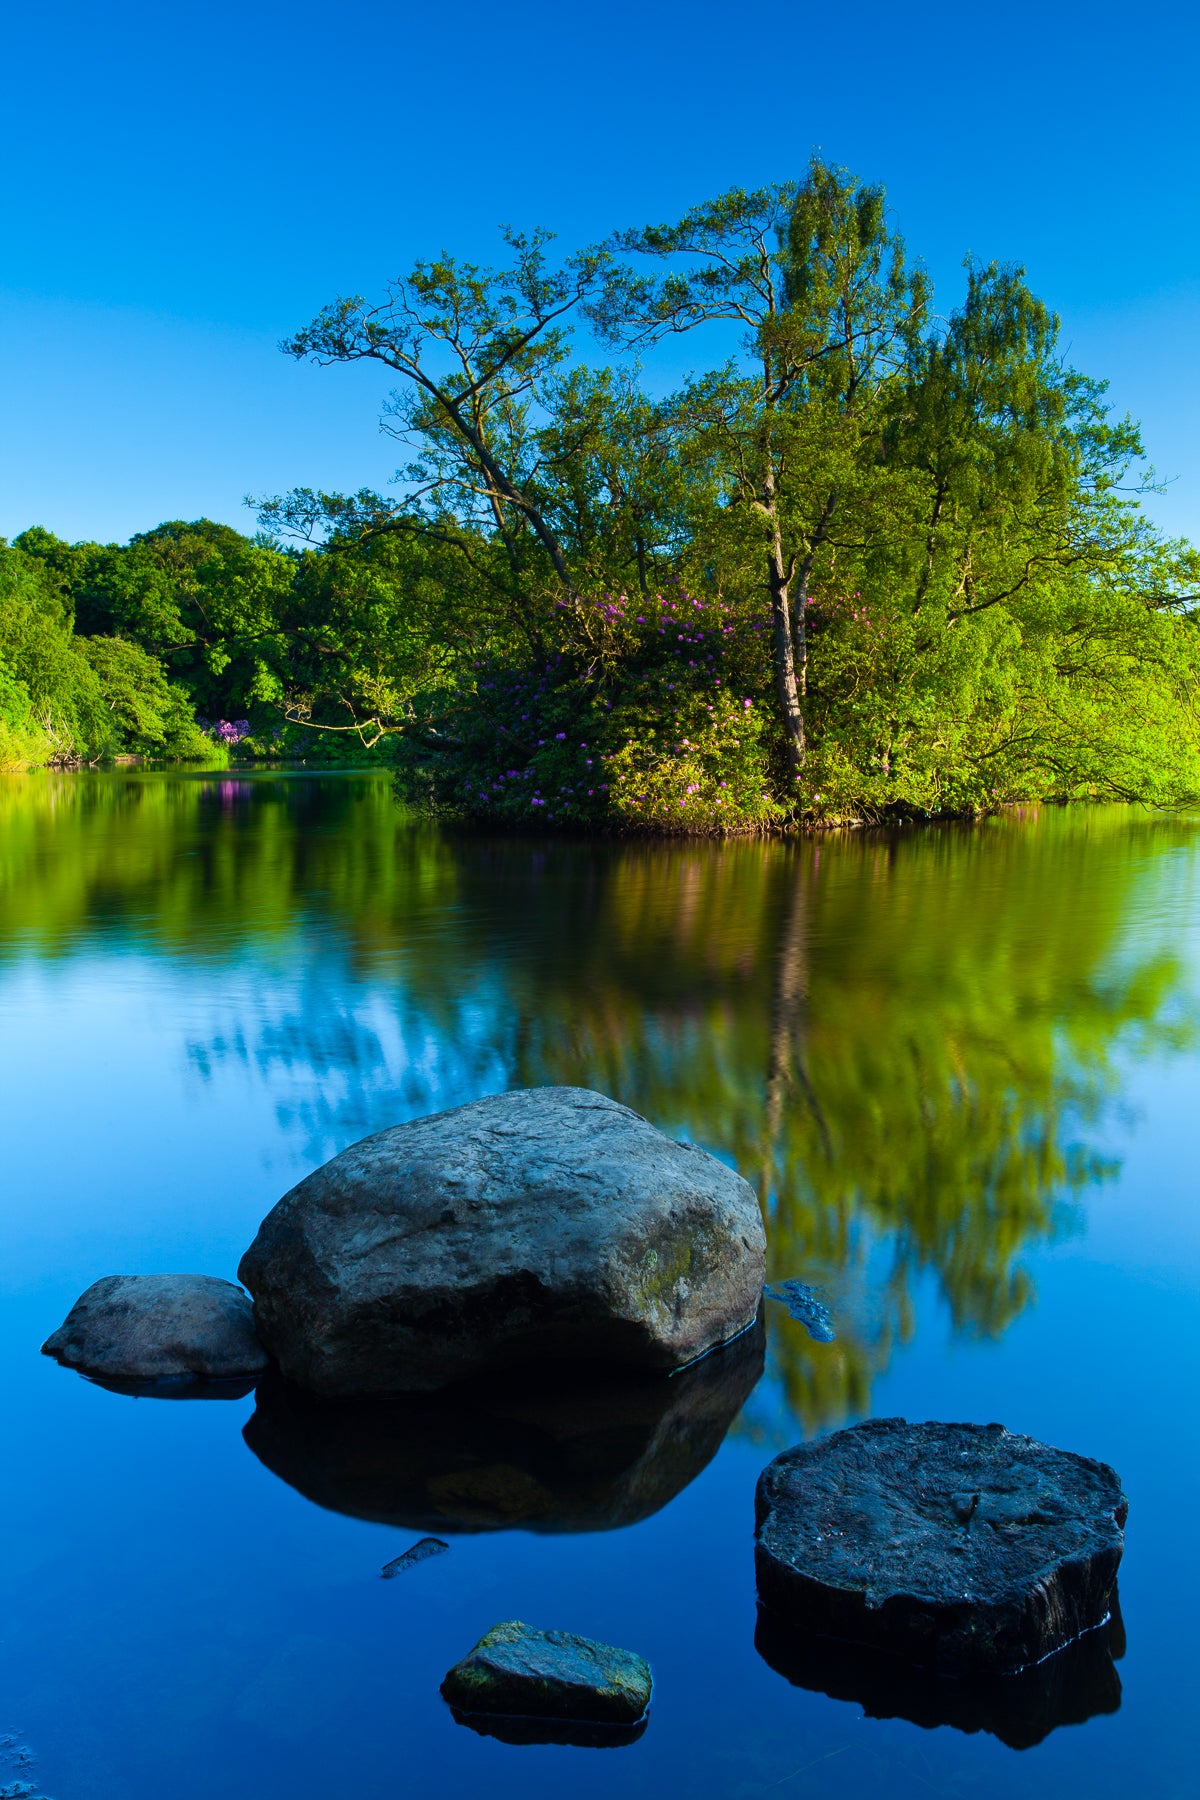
<point x="908" y="1041"/>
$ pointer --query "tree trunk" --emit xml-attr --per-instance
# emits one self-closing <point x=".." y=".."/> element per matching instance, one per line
<point x="778" y="582"/>
<point x="800" y="597"/>
<point x="800" y="639"/>
<point x="640" y="543"/>
<point x="785" y="661"/>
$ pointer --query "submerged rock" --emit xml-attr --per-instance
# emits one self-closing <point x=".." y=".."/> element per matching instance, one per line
<point x="157" y="1328"/>
<point x="806" y="1308"/>
<point x="964" y="1548"/>
<point x="514" y="1669"/>
<point x="400" y="1565"/>
<point x="547" y="1224"/>
<point x="557" y="1456"/>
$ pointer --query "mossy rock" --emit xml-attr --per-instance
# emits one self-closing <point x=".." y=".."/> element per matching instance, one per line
<point x="517" y="1670"/>
<point x="525" y="1230"/>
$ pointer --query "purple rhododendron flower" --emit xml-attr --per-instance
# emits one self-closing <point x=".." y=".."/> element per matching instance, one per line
<point x="231" y="731"/>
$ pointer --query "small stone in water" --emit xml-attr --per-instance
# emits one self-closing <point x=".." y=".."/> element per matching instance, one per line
<point x="517" y="1670"/>
<point x="160" y="1327"/>
<point x="801" y="1301"/>
<point x="428" y="1546"/>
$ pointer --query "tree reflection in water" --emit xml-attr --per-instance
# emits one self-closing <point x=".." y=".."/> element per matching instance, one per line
<point x="908" y="1041"/>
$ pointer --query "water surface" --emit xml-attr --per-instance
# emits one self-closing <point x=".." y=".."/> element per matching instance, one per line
<point x="959" y="1064"/>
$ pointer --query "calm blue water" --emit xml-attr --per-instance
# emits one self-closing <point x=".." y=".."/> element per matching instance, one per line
<point x="962" y="1068"/>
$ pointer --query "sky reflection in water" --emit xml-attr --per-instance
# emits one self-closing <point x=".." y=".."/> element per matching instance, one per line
<point x="960" y="1066"/>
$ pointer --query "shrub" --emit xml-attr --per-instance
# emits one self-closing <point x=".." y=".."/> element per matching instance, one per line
<point x="642" y="713"/>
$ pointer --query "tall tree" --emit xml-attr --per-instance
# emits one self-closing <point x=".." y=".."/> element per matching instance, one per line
<point x="829" y="309"/>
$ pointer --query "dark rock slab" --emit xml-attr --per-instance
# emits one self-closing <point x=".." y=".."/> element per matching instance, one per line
<point x="555" y="1456"/>
<point x="1078" y="1683"/>
<point x="544" y="1225"/>
<point x="964" y="1548"/>
<point x="517" y="1671"/>
<point x="153" y="1328"/>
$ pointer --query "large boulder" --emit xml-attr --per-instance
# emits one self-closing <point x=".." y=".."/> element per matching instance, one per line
<point x="533" y="1455"/>
<point x="550" y="1223"/>
<point x="515" y="1669"/>
<point x="963" y="1548"/>
<point x="146" y="1328"/>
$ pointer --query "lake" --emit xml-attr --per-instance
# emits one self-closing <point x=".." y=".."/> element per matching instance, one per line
<point x="960" y="1064"/>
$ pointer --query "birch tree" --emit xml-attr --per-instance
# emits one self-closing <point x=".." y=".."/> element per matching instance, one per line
<point x="828" y="309"/>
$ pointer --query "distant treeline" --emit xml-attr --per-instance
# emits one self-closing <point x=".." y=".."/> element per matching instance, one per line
<point x="873" y="562"/>
<point x="187" y="639"/>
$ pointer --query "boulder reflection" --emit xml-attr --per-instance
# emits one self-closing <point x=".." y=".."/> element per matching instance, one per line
<point x="583" y="1456"/>
<point x="1076" y="1684"/>
<point x="511" y="1728"/>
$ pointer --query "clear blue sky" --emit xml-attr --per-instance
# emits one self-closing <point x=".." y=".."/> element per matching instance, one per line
<point x="182" y="185"/>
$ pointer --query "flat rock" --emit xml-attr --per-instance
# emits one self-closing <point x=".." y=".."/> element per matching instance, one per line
<point x="964" y="1548"/>
<point x="549" y="1225"/>
<point x="150" y="1328"/>
<point x="515" y="1670"/>
<point x="545" y="1456"/>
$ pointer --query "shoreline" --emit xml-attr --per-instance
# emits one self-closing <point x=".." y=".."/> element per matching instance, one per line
<point x="627" y="831"/>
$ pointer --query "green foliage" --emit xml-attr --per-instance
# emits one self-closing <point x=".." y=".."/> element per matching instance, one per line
<point x="37" y="646"/>
<point x="197" y="596"/>
<point x="638" y="715"/>
<point x="371" y="633"/>
<point x="925" y="530"/>
<point x="22" y="740"/>
<point x="66" y="697"/>
<point x="1076" y="691"/>
<point x="151" y="714"/>
<point x="918" y="542"/>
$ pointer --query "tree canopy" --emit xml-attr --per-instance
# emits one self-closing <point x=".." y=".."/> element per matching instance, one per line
<point x="873" y="560"/>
